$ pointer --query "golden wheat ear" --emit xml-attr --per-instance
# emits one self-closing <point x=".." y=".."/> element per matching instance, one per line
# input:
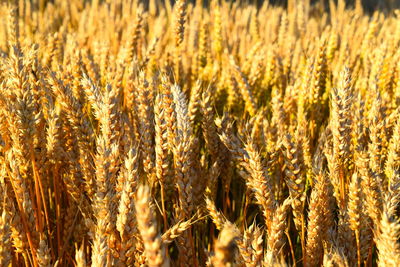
<point x="147" y="225"/>
<point x="387" y="233"/>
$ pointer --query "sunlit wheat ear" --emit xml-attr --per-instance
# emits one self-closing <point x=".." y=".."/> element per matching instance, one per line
<point x="295" y="177"/>
<point x="43" y="254"/>
<point x="175" y="231"/>
<point x="260" y="183"/>
<point x="154" y="248"/>
<point x="391" y="164"/>
<point x="80" y="257"/>
<point x="354" y="209"/>
<point x="276" y="235"/>
<point x="371" y="188"/>
<point x="387" y="233"/>
<point x="126" y="223"/>
<point x="341" y="120"/>
<point x="319" y="216"/>
<point x="5" y="239"/>
<point x="183" y="153"/>
<point x="225" y="246"/>
<point x="13" y="25"/>
<point x="335" y="257"/>
<point x="180" y="19"/>
<point x="162" y="161"/>
<point x="133" y="42"/>
<point x="146" y="126"/>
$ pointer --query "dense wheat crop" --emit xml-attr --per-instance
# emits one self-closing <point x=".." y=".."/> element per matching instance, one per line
<point x="220" y="134"/>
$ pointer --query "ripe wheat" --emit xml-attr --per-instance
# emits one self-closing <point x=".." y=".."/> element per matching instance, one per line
<point x="140" y="133"/>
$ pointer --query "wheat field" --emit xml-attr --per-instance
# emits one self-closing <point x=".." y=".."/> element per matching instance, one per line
<point x="137" y="133"/>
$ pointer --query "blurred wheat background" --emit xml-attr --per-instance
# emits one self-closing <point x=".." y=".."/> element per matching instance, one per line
<point x="195" y="133"/>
